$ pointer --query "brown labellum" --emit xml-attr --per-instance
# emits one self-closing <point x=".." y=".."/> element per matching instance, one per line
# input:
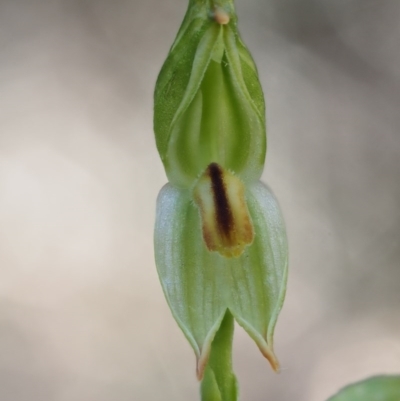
<point x="226" y="222"/>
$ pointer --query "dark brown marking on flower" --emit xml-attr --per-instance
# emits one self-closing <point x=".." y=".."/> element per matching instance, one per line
<point x="223" y="213"/>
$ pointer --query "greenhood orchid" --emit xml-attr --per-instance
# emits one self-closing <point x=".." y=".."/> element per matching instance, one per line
<point x="220" y="242"/>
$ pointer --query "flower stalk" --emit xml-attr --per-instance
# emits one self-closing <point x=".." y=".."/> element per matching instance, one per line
<point x="219" y="382"/>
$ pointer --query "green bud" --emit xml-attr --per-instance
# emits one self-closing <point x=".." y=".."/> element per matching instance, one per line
<point x="209" y="106"/>
<point x="200" y="284"/>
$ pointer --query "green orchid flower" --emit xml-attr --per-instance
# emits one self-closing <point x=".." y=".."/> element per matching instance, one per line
<point x="220" y="242"/>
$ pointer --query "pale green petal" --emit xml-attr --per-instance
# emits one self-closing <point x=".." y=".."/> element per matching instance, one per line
<point x="200" y="285"/>
<point x="381" y="388"/>
<point x="261" y="272"/>
<point x="187" y="271"/>
<point x="176" y="73"/>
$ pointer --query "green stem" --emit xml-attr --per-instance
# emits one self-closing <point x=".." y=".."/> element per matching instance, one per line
<point x="219" y="382"/>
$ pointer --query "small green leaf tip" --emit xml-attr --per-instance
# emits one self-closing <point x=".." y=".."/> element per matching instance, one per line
<point x="208" y="103"/>
<point x="380" y="388"/>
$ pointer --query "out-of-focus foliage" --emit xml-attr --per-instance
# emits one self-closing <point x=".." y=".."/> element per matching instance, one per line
<point x="381" y="388"/>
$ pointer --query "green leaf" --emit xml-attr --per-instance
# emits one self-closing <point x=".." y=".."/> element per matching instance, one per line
<point x="380" y="388"/>
<point x="201" y="285"/>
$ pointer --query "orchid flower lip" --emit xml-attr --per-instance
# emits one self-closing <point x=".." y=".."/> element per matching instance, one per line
<point x="226" y="223"/>
<point x="224" y="213"/>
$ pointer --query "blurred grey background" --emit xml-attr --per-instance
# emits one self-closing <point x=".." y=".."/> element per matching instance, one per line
<point x="82" y="315"/>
